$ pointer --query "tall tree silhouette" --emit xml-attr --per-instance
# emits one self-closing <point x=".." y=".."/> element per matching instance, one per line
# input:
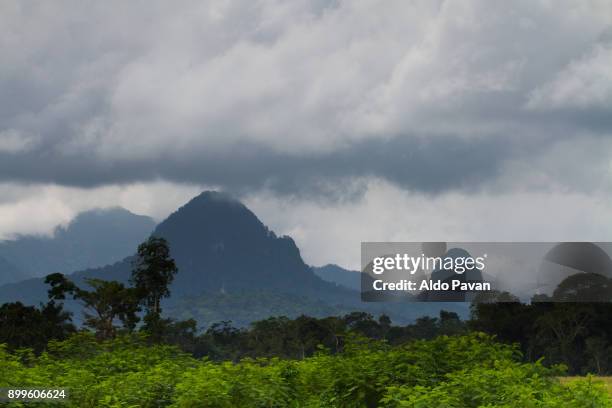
<point x="152" y="274"/>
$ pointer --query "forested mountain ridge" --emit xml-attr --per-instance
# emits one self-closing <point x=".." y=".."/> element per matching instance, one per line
<point x="219" y="244"/>
<point x="222" y="248"/>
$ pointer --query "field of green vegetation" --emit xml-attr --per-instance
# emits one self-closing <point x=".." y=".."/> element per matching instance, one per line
<point x="607" y="381"/>
<point x="458" y="371"/>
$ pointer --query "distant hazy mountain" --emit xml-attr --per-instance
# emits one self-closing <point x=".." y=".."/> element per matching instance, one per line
<point x="93" y="238"/>
<point x="10" y="273"/>
<point x="219" y="246"/>
<point x="338" y="275"/>
<point x="227" y="259"/>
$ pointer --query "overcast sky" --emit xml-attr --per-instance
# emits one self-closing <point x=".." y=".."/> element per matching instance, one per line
<point x="335" y="121"/>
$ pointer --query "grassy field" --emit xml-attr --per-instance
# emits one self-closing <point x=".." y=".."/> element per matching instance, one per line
<point x="606" y="380"/>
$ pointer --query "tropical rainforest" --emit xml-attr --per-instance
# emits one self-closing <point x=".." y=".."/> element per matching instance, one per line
<point x="128" y="354"/>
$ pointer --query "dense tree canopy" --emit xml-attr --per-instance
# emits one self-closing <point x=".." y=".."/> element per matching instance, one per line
<point x="107" y="301"/>
<point x="27" y="326"/>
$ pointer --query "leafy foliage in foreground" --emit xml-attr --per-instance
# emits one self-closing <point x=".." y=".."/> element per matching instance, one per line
<point x="461" y="371"/>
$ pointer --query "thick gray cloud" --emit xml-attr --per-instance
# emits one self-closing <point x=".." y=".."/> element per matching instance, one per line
<point x="435" y="165"/>
<point x="438" y="120"/>
<point x="292" y="96"/>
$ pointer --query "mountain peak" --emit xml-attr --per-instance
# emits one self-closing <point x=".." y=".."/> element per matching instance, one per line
<point x="116" y="211"/>
<point x="214" y="202"/>
<point x="219" y="243"/>
<point x="114" y="219"/>
<point x="212" y="215"/>
<point x="214" y="196"/>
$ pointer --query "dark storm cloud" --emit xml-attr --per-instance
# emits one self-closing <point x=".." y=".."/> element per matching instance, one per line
<point x="301" y="97"/>
<point x="419" y="164"/>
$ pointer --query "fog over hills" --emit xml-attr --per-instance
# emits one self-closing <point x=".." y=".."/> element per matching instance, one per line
<point x="10" y="273"/>
<point x="93" y="238"/>
<point x="228" y="259"/>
